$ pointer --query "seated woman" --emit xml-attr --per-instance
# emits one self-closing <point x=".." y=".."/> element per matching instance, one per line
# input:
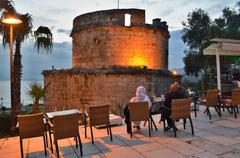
<point x="174" y="93"/>
<point x="140" y="97"/>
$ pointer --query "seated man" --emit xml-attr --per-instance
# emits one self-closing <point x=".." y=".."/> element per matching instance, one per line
<point x="174" y="93"/>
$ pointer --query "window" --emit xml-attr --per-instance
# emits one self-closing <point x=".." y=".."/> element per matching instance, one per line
<point x="127" y="19"/>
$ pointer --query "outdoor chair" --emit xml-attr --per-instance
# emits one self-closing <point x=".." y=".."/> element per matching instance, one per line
<point x="233" y="102"/>
<point x="155" y="109"/>
<point x="66" y="126"/>
<point x="31" y="126"/>
<point x="139" y="111"/>
<point x="98" y="115"/>
<point x="181" y="110"/>
<point x="212" y="100"/>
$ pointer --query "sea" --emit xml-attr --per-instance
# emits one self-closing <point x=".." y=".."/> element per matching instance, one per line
<point x="5" y="93"/>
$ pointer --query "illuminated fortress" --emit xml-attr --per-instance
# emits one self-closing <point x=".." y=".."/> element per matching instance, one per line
<point x="114" y="51"/>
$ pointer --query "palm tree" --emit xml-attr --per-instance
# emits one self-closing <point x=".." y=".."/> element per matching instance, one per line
<point x="7" y="6"/>
<point x="23" y="31"/>
<point x="37" y="93"/>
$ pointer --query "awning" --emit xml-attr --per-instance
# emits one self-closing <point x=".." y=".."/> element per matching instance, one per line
<point x="220" y="46"/>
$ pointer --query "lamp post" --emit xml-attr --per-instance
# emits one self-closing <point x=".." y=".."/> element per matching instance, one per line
<point x="11" y="21"/>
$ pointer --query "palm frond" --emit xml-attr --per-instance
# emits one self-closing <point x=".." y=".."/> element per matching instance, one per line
<point x="23" y="30"/>
<point x="35" y="90"/>
<point x="44" y="38"/>
<point x="7" y="5"/>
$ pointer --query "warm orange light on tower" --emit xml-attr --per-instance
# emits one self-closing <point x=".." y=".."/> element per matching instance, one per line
<point x="138" y="59"/>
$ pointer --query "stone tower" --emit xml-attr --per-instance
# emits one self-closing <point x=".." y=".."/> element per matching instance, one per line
<point x="114" y="51"/>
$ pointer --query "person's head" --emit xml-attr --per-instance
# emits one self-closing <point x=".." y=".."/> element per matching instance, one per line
<point x="173" y="88"/>
<point x="177" y="83"/>
<point x="140" y="92"/>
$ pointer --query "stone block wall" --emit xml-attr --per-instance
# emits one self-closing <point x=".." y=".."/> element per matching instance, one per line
<point x="108" y="17"/>
<point x="80" y="90"/>
<point x="106" y="46"/>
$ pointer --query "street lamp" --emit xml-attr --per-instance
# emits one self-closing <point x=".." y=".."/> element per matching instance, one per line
<point x="11" y="21"/>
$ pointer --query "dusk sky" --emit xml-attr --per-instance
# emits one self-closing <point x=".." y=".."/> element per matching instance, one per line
<point x="59" y="14"/>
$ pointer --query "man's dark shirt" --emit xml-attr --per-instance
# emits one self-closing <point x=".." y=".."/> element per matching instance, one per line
<point x="172" y="95"/>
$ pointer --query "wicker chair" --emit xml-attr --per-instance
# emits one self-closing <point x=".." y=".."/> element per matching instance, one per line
<point x="233" y="102"/>
<point x="31" y="126"/>
<point x="66" y="126"/>
<point x="181" y="110"/>
<point x="98" y="115"/>
<point x="139" y="111"/>
<point x="212" y="100"/>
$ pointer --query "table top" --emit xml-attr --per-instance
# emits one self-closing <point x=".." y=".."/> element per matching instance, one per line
<point x="50" y="115"/>
<point x="158" y="99"/>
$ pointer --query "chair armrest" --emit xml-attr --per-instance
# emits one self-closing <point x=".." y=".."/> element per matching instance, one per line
<point x="50" y="123"/>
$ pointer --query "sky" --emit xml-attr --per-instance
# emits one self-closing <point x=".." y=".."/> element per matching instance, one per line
<point x="59" y="14"/>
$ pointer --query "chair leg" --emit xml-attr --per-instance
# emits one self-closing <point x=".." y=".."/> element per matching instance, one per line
<point x="57" y="150"/>
<point x="44" y="141"/>
<point x="21" y="148"/>
<point x="144" y="124"/>
<point x="107" y="130"/>
<point x="234" y="111"/>
<point x="85" y="128"/>
<point x="175" y="134"/>
<point x="149" y="126"/>
<point x="195" y="108"/>
<point x="191" y="126"/>
<point x="154" y="124"/>
<point x="131" y="129"/>
<point x="45" y="133"/>
<point x="209" y="113"/>
<point x="91" y="134"/>
<point x="110" y="130"/>
<point x="184" y="123"/>
<point x="237" y="109"/>
<point x="76" y="139"/>
<point x="80" y="145"/>
<point x="49" y="132"/>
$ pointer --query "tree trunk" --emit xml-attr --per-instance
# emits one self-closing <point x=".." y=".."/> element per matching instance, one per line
<point x="35" y="106"/>
<point x="16" y="87"/>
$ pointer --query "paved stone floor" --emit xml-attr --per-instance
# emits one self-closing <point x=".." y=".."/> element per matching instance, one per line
<point x="216" y="138"/>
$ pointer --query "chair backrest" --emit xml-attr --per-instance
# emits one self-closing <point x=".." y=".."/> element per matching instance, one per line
<point x="156" y="108"/>
<point x="31" y="125"/>
<point x="181" y="108"/>
<point x="99" y="115"/>
<point x="65" y="126"/>
<point x="139" y="111"/>
<point x="236" y="96"/>
<point x="212" y="97"/>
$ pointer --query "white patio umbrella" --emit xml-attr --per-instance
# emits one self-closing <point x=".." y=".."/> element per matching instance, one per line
<point x="221" y="46"/>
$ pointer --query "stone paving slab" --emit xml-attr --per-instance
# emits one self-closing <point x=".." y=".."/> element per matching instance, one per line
<point x="163" y="153"/>
<point x="204" y="155"/>
<point x="211" y="146"/>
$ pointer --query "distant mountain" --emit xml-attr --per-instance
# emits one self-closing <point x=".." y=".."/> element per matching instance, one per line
<point x="61" y="57"/>
<point x="176" y="50"/>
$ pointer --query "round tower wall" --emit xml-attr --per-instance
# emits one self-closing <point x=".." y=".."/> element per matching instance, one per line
<point x="107" y="46"/>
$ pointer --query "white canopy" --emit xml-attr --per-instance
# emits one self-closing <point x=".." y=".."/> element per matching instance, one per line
<point x="222" y="46"/>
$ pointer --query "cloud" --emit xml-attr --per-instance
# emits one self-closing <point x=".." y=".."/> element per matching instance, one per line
<point x="67" y="32"/>
<point x="59" y="10"/>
